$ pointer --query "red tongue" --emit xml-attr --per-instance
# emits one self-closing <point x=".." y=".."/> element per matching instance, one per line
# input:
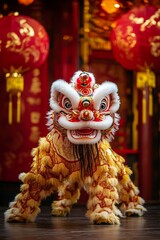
<point x="85" y="131"/>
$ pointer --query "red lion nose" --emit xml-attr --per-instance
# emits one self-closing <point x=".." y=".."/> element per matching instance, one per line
<point x="86" y="115"/>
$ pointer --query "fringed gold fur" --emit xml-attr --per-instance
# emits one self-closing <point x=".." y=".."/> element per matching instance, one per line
<point x="109" y="186"/>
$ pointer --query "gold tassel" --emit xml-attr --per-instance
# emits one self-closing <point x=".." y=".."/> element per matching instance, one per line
<point x="10" y="112"/>
<point x="14" y="86"/>
<point x="150" y="102"/>
<point x="18" y="107"/>
<point x="146" y="79"/>
<point x="144" y="108"/>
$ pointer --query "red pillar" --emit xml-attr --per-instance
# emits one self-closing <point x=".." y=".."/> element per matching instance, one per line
<point x="66" y="30"/>
<point x="145" y="145"/>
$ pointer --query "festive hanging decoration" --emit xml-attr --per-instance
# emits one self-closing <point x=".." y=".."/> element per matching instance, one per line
<point x="136" y="46"/>
<point x="24" y="45"/>
<point x="146" y="79"/>
<point x="136" y="39"/>
<point x="14" y="85"/>
<point x="25" y="2"/>
<point x="110" y="6"/>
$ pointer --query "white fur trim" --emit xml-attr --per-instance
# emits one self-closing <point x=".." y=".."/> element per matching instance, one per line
<point x="104" y="90"/>
<point x="50" y="120"/>
<point x="61" y="86"/>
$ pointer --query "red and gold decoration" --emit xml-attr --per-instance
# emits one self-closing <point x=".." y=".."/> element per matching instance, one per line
<point x="24" y="45"/>
<point x="135" y="39"/>
<point x="136" y="46"/>
<point x="17" y="139"/>
<point x="14" y="85"/>
<point x="146" y="79"/>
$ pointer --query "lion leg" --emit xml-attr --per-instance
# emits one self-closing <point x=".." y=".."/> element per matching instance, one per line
<point x="102" y="199"/>
<point x="39" y="183"/>
<point x="68" y="195"/>
<point x="131" y="202"/>
<point x="25" y="207"/>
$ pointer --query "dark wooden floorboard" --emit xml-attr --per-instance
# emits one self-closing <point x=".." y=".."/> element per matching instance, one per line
<point x="76" y="226"/>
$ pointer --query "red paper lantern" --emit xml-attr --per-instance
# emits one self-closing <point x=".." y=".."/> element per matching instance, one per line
<point x="24" y="44"/>
<point x="25" y="2"/>
<point x="136" y="39"/>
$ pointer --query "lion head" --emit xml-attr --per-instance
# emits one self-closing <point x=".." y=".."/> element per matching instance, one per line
<point x="84" y="112"/>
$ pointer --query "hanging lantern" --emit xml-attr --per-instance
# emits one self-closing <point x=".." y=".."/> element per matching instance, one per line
<point x="24" y="45"/>
<point x="136" y="39"/>
<point x="135" y="43"/>
<point x="25" y="2"/>
<point x="110" y="6"/>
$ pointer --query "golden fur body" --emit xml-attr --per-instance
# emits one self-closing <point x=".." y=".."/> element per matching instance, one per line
<point x="54" y="169"/>
<point x="76" y="154"/>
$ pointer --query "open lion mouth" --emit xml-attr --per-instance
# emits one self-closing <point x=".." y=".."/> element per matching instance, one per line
<point x="84" y="133"/>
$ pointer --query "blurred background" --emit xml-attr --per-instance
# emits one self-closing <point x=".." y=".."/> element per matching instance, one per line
<point x="42" y="41"/>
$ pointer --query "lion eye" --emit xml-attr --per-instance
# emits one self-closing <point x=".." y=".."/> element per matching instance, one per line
<point x="104" y="105"/>
<point x="67" y="103"/>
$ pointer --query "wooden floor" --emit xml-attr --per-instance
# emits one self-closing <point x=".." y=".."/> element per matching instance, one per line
<point x="76" y="226"/>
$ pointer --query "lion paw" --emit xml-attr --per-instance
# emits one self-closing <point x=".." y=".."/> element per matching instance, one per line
<point x="12" y="215"/>
<point x="15" y="214"/>
<point x="104" y="218"/>
<point x="60" y="212"/>
<point x="138" y="211"/>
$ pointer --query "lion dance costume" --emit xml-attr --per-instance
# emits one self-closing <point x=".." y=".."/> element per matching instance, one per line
<point x="76" y="154"/>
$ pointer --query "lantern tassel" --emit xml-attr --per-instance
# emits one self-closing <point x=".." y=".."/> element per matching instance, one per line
<point x="14" y="86"/>
<point x="150" y="102"/>
<point x="10" y="111"/>
<point x="144" y="108"/>
<point x="18" y="107"/>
